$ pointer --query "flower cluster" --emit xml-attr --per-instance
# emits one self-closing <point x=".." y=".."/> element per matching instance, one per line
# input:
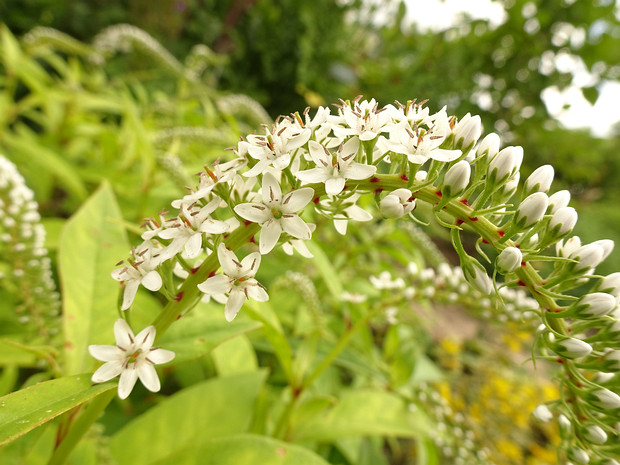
<point x="403" y="155"/>
<point x="22" y="248"/>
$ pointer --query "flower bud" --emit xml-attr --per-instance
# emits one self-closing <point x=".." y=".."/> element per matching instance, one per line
<point x="509" y="260"/>
<point x="421" y="176"/>
<point x="565" y="425"/>
<point x="397" y="203"/>
<point x="504" y="164"/>
<point x="489" y="146"/>
<point x="611" y="284"/>
<point x="587" y="256"/>
<point x="558" y="200"/>
<point x="531" y="210"/>
<point x="607" y="246"/>
<point x="467" y="131"/>
<point x="562" y="221"/>
<point x="569" y="347"/>
<point x="456" y="179"/>
<point x="612" y="361"/>
<point x="476" y="275"/>
<point x="578" y="455"/>
<point x="595" y="434"/>
<point x="604" y="399"/>
<point x="542" y="413"/>
<point x="540" y="180"/>
<point x="565" y="249"/>
<point x="594" y="305"/>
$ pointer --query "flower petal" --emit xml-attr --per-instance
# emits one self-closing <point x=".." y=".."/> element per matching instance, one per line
<point x="296" y="200"/>
<point x="269" y="235"/>
<point x="444" y="155"/>
<point x="257" y="293"/>
<point x="255" y="212"/>
<point x="158" y="356"/>
<point x="233" y="304"/>
<point x="123" y="334"/>
<point x="129" y="293"/>
<point x="271" y="190"/>
<point x="152" y="281"/>
<point x="107" y="371"/>
<point x="313" y="175"/>
<point x="335" y="185"/>
<point x="106" y="353"/>
<point x="218" y="284"/>
<point x="193" y="246"/>
<point x="319" y="154"/>
<point x="251" y="263"/>
<point x="148" y="376"/>
<point x="145" y="338"/>
<point x="127" y="381"/>
<point x="296" y="227"/>
<point x="359" y="171"/>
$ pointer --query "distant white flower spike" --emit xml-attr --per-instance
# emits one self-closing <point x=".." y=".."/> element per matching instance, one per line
<point x="132" y="357"/>
<point x="277" y="213"/>
<point x="237" y="282"/>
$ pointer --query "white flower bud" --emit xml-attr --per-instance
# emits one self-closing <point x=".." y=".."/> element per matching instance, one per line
<point x="595" y="305"/>
<point x="579" y="456"/>
<point x="611" y="284"/>
<point x="587" y="256"/>
<point x="565" y="424"/>
<point x="558" y="200"/>
<point x="572" y="348"/>
<point x="456" y="179"/>
<point x="421" y="175"/>
<point x="476" y="275"/>
<point x="540" y="180"/>
<point x="605" y="399"/>
<point x="467" y="131"/>
<point x="613" y="359"/>
<point x="542" y="413"/>
<point x="397" y="203"/>
<point x="505" y="164"/>
<point x="607" y="245"/>
<point x="531" y="210"/>
<point x="509" y="260"/>
<point x="489" y="146"/>
<point x="564" y="219"/>
<point x="565" y="249"/>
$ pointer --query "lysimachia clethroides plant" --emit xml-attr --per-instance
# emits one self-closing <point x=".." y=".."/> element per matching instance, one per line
<point x="401" y="154"/>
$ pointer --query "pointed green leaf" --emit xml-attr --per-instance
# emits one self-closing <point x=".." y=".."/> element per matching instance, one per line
<point x="213" y="408"/>
<point x="91" y="243"/>
<point x="24" y="410"/>
<point x="244" y="449"/>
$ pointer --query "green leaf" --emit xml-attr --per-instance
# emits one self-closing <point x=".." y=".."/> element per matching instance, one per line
<point x="325" y="267"/>
<point x="24" y="410"/>
<point x="364" y="412"/>
<point x="198" y="333"/>
<point x="244" y="449"/>
<point x="213" y="408"/>
<point x="91" y="243"/>
<point x="234" y="356"/>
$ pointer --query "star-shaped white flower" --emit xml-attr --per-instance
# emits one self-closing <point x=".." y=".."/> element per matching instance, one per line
<point x="277" y="213"/>
<point x="187" y="230"/>
<point x="139" y="270"/>
<point x="276" y="147"/>
<point x="335" y="169"/>
<point x="237" y="282"/>
<point x="363" y="119"/>
<point x="132" y="357"/>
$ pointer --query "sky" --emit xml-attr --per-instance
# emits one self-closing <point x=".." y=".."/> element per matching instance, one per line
<point x="568" y="106"/>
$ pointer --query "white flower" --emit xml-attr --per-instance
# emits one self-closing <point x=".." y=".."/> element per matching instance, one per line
<point x="187" y="230"/>
<point x="209" y="179"/>
<point x="139" y="270"/>
<point x="276" y="147"/>
<point x="420" y="144"/>
<point x="237" y="282"/>
<point x="349" y="211"/>
<point x="364" y="120"/>
<point x="277" y="214"/>
<point x="540" y="180"/>
<point x="132" y="357"/>
<point x="397" y="203"/>
<point x="531" y="210"/>
<point x="542" y="413"/>
<point x="467" y="131"/>
<point x="334" y="170"/>
<point x="509" y="260"/>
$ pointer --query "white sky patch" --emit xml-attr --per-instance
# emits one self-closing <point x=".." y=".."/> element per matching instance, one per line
<point x="437" y="15"/>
